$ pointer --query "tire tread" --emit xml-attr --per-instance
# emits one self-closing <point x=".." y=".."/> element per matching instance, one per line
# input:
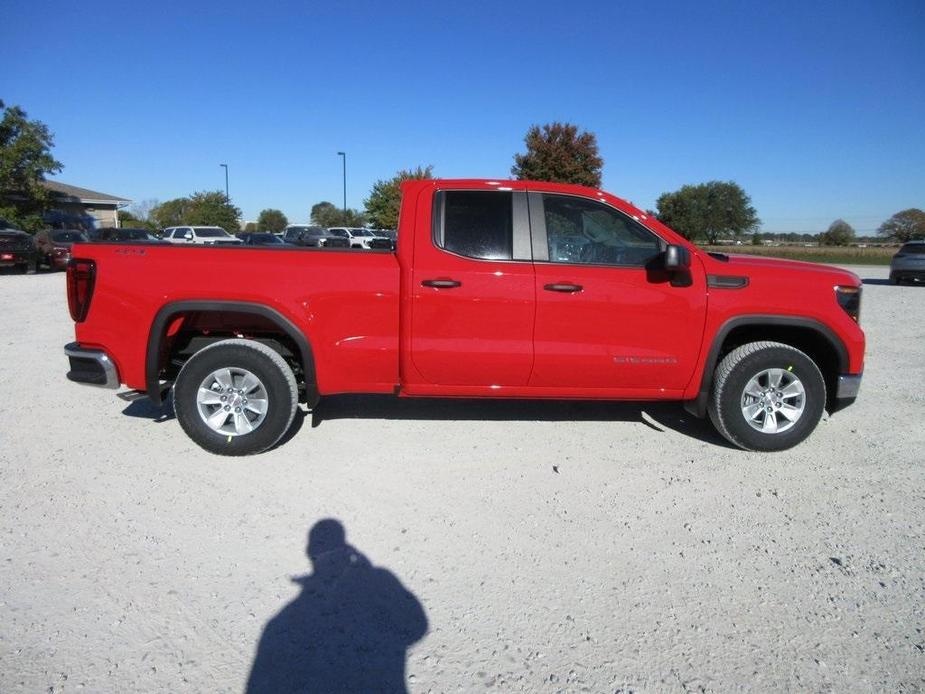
<point x="274" y="357"/>
<point x="724" y="371"/>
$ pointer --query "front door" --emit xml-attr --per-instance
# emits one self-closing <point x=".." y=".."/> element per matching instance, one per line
<point x="605" y="320"/>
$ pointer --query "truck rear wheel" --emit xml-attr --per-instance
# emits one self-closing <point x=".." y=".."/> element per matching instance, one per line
<point x="235" y="397"/>
<point x="767" y="396"/>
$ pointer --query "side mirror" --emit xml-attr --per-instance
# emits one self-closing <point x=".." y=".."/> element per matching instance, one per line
<point x="188" y="235"/>
<point x="677" y="258"/>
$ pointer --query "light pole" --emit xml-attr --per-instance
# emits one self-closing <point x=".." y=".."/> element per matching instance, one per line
<point x="344" y="156"/>
<point x="225" y="166"/>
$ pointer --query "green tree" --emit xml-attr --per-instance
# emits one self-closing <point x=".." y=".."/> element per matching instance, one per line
<point x="25" y="160"/>
<point x="384" y="199"/>
<point x="839" y="233"/>
<point x="325" y="214"/>
<point x="212" y="208"/>
<point x="250" y="226"/>
<point x="271" y="220"/>
<point x="558" y="152"/>
<point x="907" y="225"/>
<point x="170" y="213"/>
<point x="757" y="239"/>
<point x="127" y="218"/>
<point x="708" y="211"/>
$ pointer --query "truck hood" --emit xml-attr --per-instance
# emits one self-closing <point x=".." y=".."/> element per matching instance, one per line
<point x="748" y="264"/>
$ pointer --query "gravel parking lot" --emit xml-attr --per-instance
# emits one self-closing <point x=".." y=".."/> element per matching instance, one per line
<point x="548" y="546"/>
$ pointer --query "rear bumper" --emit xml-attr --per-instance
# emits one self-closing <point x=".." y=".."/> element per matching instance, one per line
<point x="846" y="391"/>
<point x="92" y="367"/>
<point x="916" y="273"/>
<point x="10" y="258"/>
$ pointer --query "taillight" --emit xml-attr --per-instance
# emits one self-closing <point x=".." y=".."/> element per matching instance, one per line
<point x="81" y="275"/>
<point x="849" y="298"/>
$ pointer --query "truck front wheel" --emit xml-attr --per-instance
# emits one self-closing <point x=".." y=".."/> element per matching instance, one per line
<point x="767" y="396"/>
<point x="235" y="397"/>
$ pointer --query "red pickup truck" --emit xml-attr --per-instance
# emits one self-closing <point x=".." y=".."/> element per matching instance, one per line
<point x="499" y="289"/>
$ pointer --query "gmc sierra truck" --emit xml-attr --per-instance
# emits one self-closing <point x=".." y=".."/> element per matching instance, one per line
<point x="497" y="289"/>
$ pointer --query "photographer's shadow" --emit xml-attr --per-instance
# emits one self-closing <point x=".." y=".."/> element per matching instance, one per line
<point x="347" y="631"/>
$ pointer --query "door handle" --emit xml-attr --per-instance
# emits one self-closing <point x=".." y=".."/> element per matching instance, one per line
<point x="565" y="288"/>
<point x="441" y="284"/>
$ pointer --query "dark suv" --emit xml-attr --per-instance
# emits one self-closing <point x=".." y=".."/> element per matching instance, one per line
<point x="908" y="263"/>
<point x="315" y="237"/>
<point x="17" y="248"/>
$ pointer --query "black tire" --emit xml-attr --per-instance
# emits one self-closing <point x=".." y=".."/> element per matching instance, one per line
<point x="267" y="365"/>
<point x="734" y="373"/>
<point x="31" y="267"/>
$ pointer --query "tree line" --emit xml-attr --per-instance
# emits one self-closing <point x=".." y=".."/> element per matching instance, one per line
<point x="560" y="152"/>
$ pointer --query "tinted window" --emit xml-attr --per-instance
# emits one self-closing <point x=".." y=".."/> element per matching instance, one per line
<point x="211" y="233"/>
<point x="913" y="248"/>
<point x="338" y="232"/>
<point x="262" y="239"/>
<point x="585" y="231"/>
<point x="477" y="224"/>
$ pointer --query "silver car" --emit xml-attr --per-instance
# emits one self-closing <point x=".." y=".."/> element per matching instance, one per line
<point x="908" y="263"/>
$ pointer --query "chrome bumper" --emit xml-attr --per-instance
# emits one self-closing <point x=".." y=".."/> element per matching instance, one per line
<point x="848" y="387"/>
<point x="92" y="367"/>
<point x="846" y="392"/>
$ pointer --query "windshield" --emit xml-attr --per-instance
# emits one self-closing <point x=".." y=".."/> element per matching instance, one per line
<point x="338" y="232"/>
<point x="913" y="249"/>
<point x="211" y="233"/>
<point x="363" y="232"/>
<point x="4" y="224"/>
<point x="67" y="237"/>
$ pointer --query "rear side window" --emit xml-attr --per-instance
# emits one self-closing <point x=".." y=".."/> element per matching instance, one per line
<point x="475" y="223"/>
<point x="913" y="249"/>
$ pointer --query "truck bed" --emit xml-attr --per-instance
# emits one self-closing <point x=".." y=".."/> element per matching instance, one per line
<point x="346" y="302"/>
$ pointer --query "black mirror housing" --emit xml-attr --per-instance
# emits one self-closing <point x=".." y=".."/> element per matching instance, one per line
<point x="677" y="258"/>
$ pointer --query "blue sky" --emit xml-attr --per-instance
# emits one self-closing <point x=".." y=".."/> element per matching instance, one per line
<point x="816" y="108"/>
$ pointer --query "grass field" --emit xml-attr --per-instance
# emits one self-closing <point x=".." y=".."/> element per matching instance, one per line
<point x="821" y="254"/>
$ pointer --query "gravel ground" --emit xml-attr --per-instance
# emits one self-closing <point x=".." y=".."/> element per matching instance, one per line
<point x="549" y="547"/>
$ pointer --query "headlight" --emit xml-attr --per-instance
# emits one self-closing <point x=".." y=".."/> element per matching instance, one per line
<point x="849" y="298"/>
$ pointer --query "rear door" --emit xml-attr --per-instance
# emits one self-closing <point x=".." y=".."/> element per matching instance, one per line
<point x="473" y="296"/>
<point x="607" y="317"/>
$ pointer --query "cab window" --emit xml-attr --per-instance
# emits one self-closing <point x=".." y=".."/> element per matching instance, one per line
<point x="475" y="223"/>
<point x="588" y="232"/>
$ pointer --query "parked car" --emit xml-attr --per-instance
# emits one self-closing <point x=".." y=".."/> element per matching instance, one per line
<point x="357" y="237"/>
<point x="54" y="246"/>
<point x="263" y="238"/>
<point x="315" y="237"/>
<point x="122" y="235"/>
<point x="199" y="236"/>
<point x="472" y="305"/>
<point x="17" y="248"/>
<point x="908" y="263"/>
